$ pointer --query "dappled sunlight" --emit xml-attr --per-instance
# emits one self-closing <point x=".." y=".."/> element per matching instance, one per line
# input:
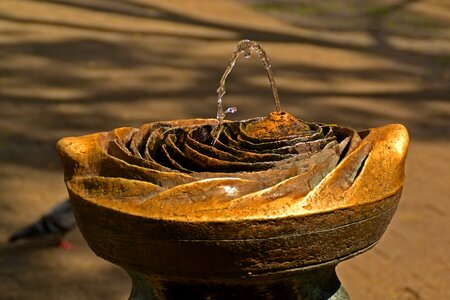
<point x="75" y="67"/>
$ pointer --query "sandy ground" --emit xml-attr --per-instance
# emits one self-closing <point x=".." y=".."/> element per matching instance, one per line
<point x="81" y="66"/>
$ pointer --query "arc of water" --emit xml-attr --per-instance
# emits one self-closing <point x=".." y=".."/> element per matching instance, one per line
<point x="243" y="47"/>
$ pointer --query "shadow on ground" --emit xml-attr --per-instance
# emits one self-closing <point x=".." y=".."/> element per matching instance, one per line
<point x="75" y="67"/>
<point x="53" y="277"/>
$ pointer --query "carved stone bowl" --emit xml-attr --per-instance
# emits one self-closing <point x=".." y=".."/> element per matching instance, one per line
<point x="277" y="245"/>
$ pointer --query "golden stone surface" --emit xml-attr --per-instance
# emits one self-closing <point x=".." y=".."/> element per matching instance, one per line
<point x="322" y="194"/>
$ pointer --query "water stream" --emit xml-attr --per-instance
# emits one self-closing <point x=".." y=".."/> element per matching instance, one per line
<point x="244" y="47"/>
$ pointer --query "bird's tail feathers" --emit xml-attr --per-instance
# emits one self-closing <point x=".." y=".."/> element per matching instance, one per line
<point x="29" y="232"/>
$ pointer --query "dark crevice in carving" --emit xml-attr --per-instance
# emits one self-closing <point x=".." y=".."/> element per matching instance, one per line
<point x="361" y="167"/>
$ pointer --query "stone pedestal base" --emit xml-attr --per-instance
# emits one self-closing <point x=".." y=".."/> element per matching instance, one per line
<point x="317" y="284"/>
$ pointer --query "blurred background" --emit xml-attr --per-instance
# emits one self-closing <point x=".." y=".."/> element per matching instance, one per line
<point x="73" y="67"/>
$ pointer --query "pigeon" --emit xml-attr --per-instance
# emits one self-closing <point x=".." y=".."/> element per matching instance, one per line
<point x="56" y="223"/>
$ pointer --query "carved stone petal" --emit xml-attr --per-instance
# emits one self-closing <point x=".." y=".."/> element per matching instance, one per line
<point x="88" y="156"/>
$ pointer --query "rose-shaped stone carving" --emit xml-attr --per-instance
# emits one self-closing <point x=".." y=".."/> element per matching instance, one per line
<point x="266" y="197"/>
<point x="264" y="166"/>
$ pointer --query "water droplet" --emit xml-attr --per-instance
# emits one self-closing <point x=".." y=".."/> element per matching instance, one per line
<point x="231" y="110"/>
